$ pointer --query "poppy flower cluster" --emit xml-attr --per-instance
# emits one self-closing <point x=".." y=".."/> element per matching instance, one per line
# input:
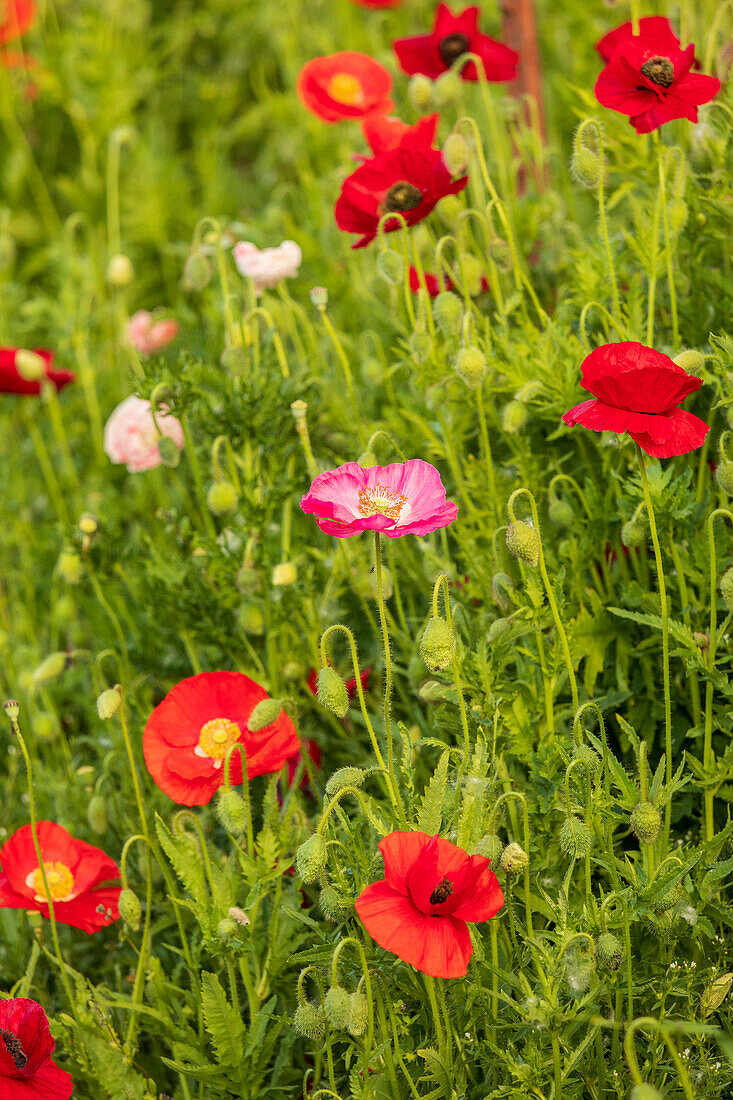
<point x="81" y="879"/>
<point x="27" y="1071"/>
<point x="21" y="372"/>
<point x="189" y="734"/>
<point x="431" y="889"/>
<point x="647" y="75"/>
<point x="639" y="390"/>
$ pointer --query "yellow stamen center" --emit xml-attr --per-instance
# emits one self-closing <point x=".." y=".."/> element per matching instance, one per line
<point x="345" y="88"/>
<point x="59" y="878"/>
<point x="216" y="737"/>
<point x="381" y="501"/>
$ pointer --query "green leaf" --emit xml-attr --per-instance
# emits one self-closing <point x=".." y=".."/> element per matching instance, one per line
<point x="223" y="1024"/>
<point x="431" y="811"/>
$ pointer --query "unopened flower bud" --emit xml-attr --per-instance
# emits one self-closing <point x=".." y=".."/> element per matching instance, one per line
<point x="310" y="1022"/>
<point x="52" y="667"/>
<point x="232" y="811"/>
<point x="523" y="542"/>
<point x="120" y="271"/>
<point x="470" y="365"/>
<point x="420" y="93"/>
<point x="169" y="452"/>
<point x="471" y="272"/>
<point x="234" y="360"/>
<point x="359" y="1014"/>
<point x="251" y="618"/>
<point x="292" y="671"/>
<point x="501" y="254"/>
<point x="70" y="566"/>
<point x="97" y="814"/>
<point x="588" y="757"/>
<point x="263" y="714"/>
<point x="447" y="89"/>
<point x="227" y="930"/>
<point x="690" y="360"/>
<point x="495" y="631"/>
<point x="645" y="822"/>
<point x="108" y="703"/>
<point x="513" y="859"/>
<point x="319" y="297"/>
<point x="575" y="837"/>
<point x="310" y="859"/>
<point x="197" y="271"/>
<point x="491" y="847"/>
<point x="514" y="417"/>
<point x="579" y="969"/>
<point x="222" y="498"/>
<point x="345" y="777"/>
<point x="645" y="1092"/>
<point x="609" y="951"/>
<point x="130" y="911"/>
<point x="372" y="371"/>
<point x="724" y="477"/>
<point x="367" y="459"/>
<point x="338" y="1007"/>
<point x="285" y="573"/>
<point x="726" y="589"/>
<point x="670" y="900"/>
<point x="502" y="589"/>
<point x="332" y="692"/>
<point x="677" y="214"/>
<point x="437" y="644"/>
<point x="585" y="167"/>
<point x="561" y="512"/>
<point x="633" y="534"/>
<point x="333" y="906"/>
<point x="30" y="365"/>
<point x="448" y="312"/>
<point x="455" y="154"/>
<point x="391" y="266"/>
<point x="421" y="344"/>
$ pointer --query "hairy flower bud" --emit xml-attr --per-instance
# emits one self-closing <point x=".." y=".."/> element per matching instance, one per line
<point x="585" y="167"/>
<point x="497" y="628"/>
<point x="338" y="1007"/>
<point x="609" y="950"/>
<point x="227" y="930"/>
<point x="677" y="213"/>
<point x="420" y="93"/>
<point x="130" y="911"/>
<point x="97" y="814"/>
<point x="359" y="1014"/>
<point x="455" y="154"/>
<point x="513" y="859"/>
<point x="345" y="777"/>
<point x="670" y="900"/>
<point x="579" y="969"/>
<point x="232" y="811"/>
<point x="491" y="847"/>
<point x="575" y="837"/>
<point x="726" y="589"/>
<point x="251" y="618"/>
<point x="471" y="272"/>
<point x="310" y="1022"/>
<point x="169" y="452"/>
<point x="333" y="906"/>
<point x="310" y="859"/>
<point x="70" y="566"/>
<point x="448" y="312"/>
<point x="633" y="534"/>
<point x="52" y="667"/>
<point x="222" y="498"/>
<point x="645" y="821"/>
<point x="514" y="417"/>
<point x="332" y="692"/>
<point x="588" y="757"/>
<point x="197" y="271"/>
<point x="561" y="512"/>
<point x="120" y="271"/>
<point x="724" y="477"/>
<point x="284" y="574"/>
<point x="263" y="714"/>
<point x="523" y="542"/>
<point x="421" y="344"/>
<point x="645" y="1092"/>
<point x="470" y="365"/>
<point x="502" y="589"/>
<point x="109" y="702"/>
<point x="367" y="459"/>
<point x="437" y="644"/>
<point x="391" y="266"/>
<point x="447" y="89"/>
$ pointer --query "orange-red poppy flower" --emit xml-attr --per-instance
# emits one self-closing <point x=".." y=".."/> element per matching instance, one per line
<point x="345" y="85"/>
<point x="431" y="888"/>
<point x="16" y="17"/>
<point x="188" y="735"/>
<point x="79" y="877"/>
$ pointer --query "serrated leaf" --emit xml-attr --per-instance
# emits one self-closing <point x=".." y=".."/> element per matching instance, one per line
<point x="185" y="858"/>
<point x="223" y="1024"/>
<point x="431" y="811"/>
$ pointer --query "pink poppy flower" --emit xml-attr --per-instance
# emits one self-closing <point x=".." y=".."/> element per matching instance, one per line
<point x="148" y="335"/>
<point x="269" y="266"/>
<point x="130" y="435"/>
<point x="405" y="498"/>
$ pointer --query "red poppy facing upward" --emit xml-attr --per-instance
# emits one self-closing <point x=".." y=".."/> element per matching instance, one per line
<point x="384" y="133"/>
<point x="419" y="910"/>
<point x="78" y="876"/>
<point x="188" y="735"/>
<point x="648" y="78"/>
<point x="19" y="378"/>
<point x="409" y="180"/>
<point x="26" y="1046"/>
<point x="453" y="35"/>
<point x="16" y="17"/>
<point x="638" y="390"/>
<point x="344" y="85"/>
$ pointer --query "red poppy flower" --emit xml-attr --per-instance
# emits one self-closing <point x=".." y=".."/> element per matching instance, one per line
<point x="26" y="1046"/>
<point x="453" y="35"/>
<point x="432" y="284"/>
<point x="657" y="25"/>
<point x="16" y="17"/>
<point x="638" y="390"/>
<point x="12" y="381"/>
<point x="344" y="85"/>
<point x="189" y="734"/>
<point x="78" y="876"/>
<point x="419" y="910"/>
<point x="384" y="133"/>
<point x="648" y="78"/>
<point x="409" y="180"/>
<point x="378" y="3"/>
<point x="350" y="684"/>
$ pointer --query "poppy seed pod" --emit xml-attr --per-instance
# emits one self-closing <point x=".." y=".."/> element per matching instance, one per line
<point x="471" y="366"/>
<point x="130" y="910"/>
<point x="420" y="93"/>
<point x="232" y="812"/>
<point x="633" y="534"/>
<point x="726" y="589"/>
<point x="310" y="859"/>
<point x="575" y="837"/>
<point x="514" y="417"/>
<point x="523" y="542"/>
<point x="344" y="777"/>
<point x="222" y="498"/>
<point x="585" y="167"/>
<point x="609" y="951"/>
<point x="109" y="702"/>
<point x="513" y="859"/>
<point x="645" y="821"/>
<point x="319" y="297"/>
<point x="359" y="1014"/>
<point x="97" y="814"/>
<point x="391" y="266"/>
<point x="338" y="1007"/>
<point x="310" y="1022"/>
<point x="724" y="477"/>
<point x="263" y="714"/>
<point x="332" y="692"/>
<point x="437" y="644"/>
<point x="333" y="906"/>
<point x="455" y="154"/>
<point x="561" y="512"/>
<point x="448" y="312"/>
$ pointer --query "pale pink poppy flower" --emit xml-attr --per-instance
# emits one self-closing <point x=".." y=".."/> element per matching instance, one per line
<point x="405" y="498"/>
<point x="270" y="265"/>
<point x="148" y="335"/>
<point x="130" y="436"/>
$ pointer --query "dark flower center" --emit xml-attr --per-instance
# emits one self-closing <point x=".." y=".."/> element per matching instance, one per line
<point x="452" y="46"/>
<point x="659" y="70"/>
<point x="401" y="196"/>
<point x="441" y="892"/>
<point x="14" y="1048"/>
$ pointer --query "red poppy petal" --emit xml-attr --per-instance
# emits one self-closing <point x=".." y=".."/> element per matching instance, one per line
<point x="419" y="54"/>
<point x="400" y="851"/>
<point x="657" y="27"/>
<point x="483" y="901"/>
<point x="18" y="17"/>
<point x="688" y="432"/>
<point x="49" y="1082"/>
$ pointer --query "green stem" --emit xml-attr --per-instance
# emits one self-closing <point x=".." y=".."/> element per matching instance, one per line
<point x="387" y="673"/>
